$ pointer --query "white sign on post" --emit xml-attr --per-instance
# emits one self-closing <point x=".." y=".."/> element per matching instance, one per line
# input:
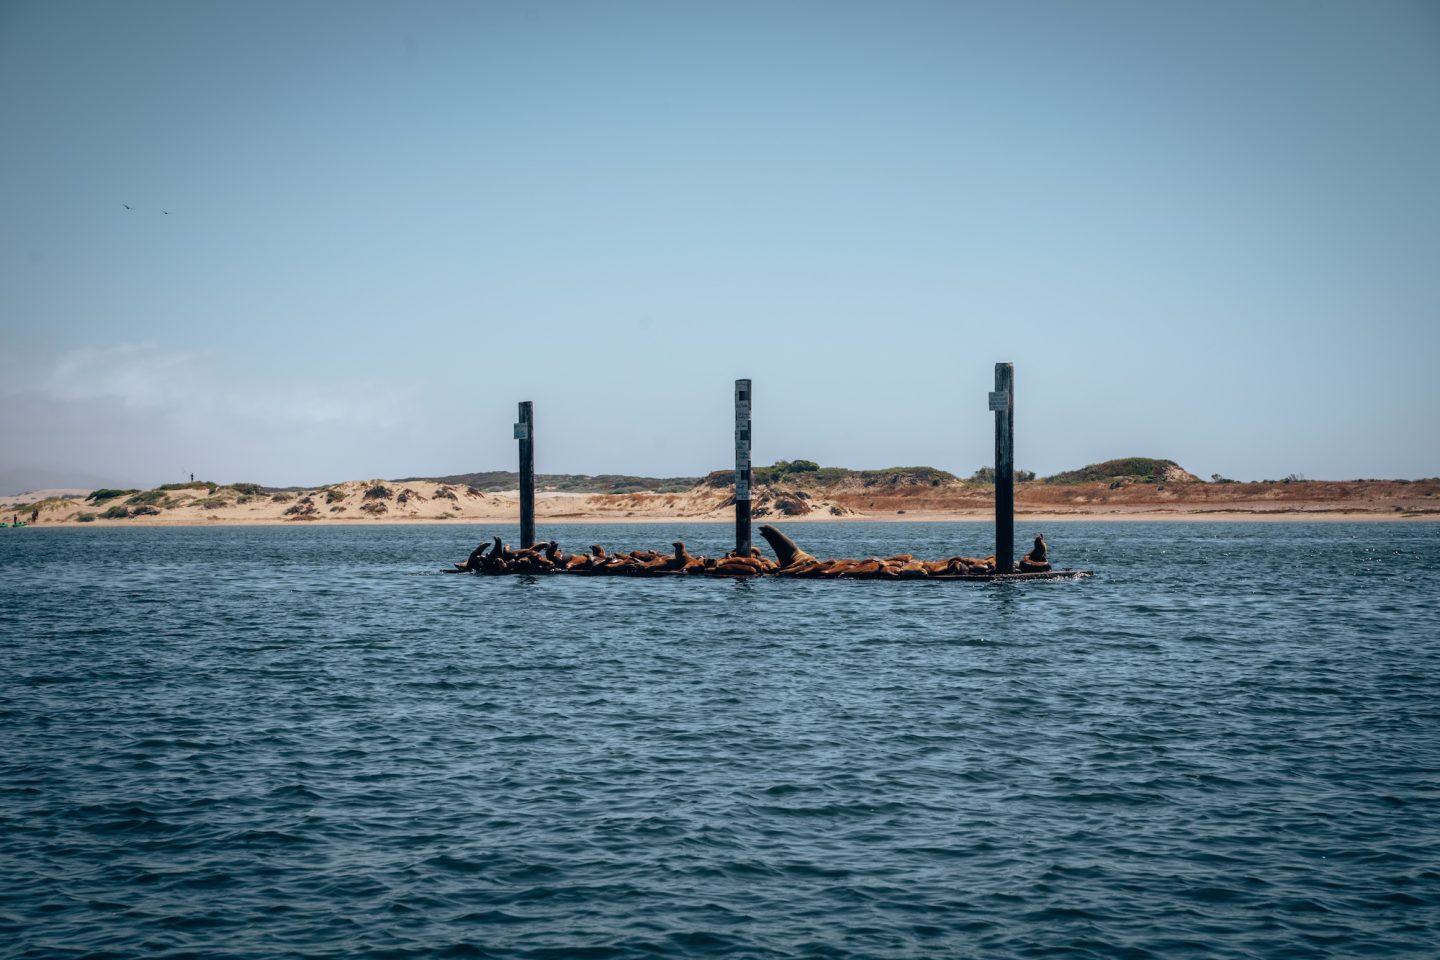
<point x="522" y="431"/>
<point x="999" y="401"/>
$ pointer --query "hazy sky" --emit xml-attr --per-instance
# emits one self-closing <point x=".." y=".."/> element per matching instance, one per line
<point x="1205" y="231"/>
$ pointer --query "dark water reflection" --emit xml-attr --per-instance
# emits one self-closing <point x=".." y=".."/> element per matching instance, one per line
<point x="276" y="741"/>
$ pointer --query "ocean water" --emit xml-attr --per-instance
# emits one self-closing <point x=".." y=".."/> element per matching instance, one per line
<point x="300" y="742"/>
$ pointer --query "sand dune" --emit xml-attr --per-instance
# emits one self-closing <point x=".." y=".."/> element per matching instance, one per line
<point x="421" y="501"/>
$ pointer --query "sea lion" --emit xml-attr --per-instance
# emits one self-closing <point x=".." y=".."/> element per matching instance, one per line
<point x="498" y="560"/>
<point x="1036" y="560"/>
<point x="680" y="562"/>
<point x="913" y="570"/>
<point x="786" y="552"/>
<point x="476" y="558"/>
<point x="737" y="565"/>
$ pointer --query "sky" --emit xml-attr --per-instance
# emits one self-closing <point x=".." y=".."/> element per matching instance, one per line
<point x="359" y="233"/>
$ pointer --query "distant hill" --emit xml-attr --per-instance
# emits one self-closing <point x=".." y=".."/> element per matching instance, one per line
<point x="1139" y="469"/>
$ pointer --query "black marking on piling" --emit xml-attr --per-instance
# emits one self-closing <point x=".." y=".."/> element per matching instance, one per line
<point x="525" y="433"/>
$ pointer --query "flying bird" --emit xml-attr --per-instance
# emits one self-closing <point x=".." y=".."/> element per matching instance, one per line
<point x="166" y="212"/>
<point x="125" y="205"/>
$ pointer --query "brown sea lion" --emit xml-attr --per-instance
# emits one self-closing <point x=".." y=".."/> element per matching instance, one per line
<point x="802" y="568"/>
<point x="787" y="554"/>
<point x="1036" y="560"/>
<point x="732" y="565"/>
<point x="913" y="570"/>
<point x="680" y="561"/>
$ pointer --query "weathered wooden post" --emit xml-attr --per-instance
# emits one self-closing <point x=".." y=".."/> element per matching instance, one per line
<point x="742" y="467"/>
<point x="1002" y="401"/>
<point x="525" y="433"/>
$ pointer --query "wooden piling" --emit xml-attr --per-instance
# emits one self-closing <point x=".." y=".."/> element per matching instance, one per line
<point x="742" y="467"/>
<point x="1002" y="401"/>
<point x="525" y="433"/>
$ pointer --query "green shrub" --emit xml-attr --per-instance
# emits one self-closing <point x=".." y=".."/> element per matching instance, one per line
<point x="378" y="492"/>
<point x="105" y="493"/>
<point x="116" y="512"/>
<point x="149" y="498"/>
<point x="1138" y="469"/>
<point x="249" y="489"/>
<point x="191" y="485"/>
<point x="334" y="496"/>
<point x="281" y="498"/>
<point x="84" y="518"/>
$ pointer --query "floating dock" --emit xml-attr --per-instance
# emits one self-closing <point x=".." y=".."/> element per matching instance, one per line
<point x="745" y="561"/>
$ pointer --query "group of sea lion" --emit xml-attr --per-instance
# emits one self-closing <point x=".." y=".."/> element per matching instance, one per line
<point x="547" y="557"/>
<point x="790" y="561"/>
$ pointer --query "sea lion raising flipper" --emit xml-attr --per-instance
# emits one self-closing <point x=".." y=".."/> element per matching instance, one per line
<point x="472" y="562"/>
<point x="786" y="552"/>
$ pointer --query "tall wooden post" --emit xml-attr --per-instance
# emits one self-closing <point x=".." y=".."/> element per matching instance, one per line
<point x="742" y="467"/>
<point x="1002" y="401"/>
<point x="525" y="433"/>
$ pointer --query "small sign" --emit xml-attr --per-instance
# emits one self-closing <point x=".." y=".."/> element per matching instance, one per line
<point x="522" y="431"/>
<point x="999" y="401"/>
<point x="742" y="492"/>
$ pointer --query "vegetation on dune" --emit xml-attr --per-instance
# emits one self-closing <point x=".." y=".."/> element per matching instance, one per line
<point x="207" y="485"/>
<point x="105" y="493"/>
<point x="117" y="512"/>
<point x="492" y="481"/>
<point x="150" y="498"/>
<point x="987" y="475"/>
<point x="49" y="503"/>
<point x="809" y="473"/>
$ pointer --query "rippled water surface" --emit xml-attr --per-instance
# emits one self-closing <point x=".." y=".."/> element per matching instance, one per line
<point x="300" y="742"/>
